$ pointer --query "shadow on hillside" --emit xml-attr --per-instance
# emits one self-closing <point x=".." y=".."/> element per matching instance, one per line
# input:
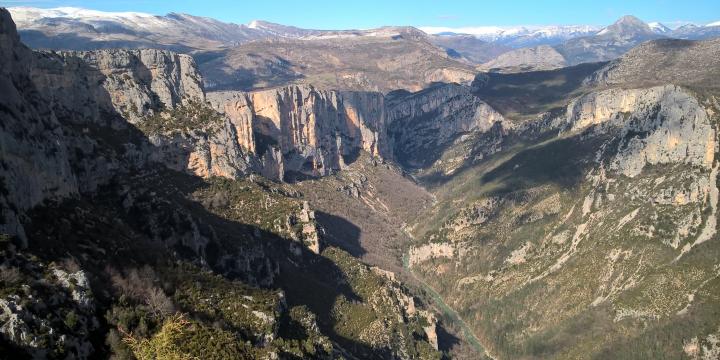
<point x="18" y="353"/>
<point x="418" y="140"/>
<point x="562" y="162"/>
<point x="446" y="340"/>
<point x="145" y="214"/>
<point x="527" y="161"/>
<point x="529" y="93"/>
<point x="99" y="232"/>
<point x="341" y="233"/>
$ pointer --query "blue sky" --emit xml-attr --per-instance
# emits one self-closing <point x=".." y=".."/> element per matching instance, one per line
<point x="344" y="14"/>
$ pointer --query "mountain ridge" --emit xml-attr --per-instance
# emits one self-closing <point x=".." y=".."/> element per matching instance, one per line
<point x="267" y="54"/>
<point x="411" y="208"/>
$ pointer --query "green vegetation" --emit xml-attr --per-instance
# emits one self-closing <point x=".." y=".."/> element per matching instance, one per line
<point x="377" y="308"/>
<point x="186" y="118"/>
<point x="259" y="202"/>
<point x="180" y="338"/>
<point x="249" y="311"/>
<point x="165" y="299"/>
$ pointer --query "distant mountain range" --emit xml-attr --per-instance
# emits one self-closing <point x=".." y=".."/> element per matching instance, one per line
<point x="519" y="36"/>
<point x="605" y="44"/>
<point x="263" y="54"/>
<point x="523" y="36"/>
<point x="119" y="27"/>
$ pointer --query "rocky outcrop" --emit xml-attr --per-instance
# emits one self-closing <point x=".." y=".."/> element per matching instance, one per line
<point x="659" y="125"/>
<point x="207" y="151"/>
<point x="431" y="328"/>
<point x="160" y="92"/>
<point x="132" y="83"/>
<point x="430" y="251"/>
<point x="423" y="123"/>
<point x="172" y="79"/>
<point x="24" y="319"/>
<point x="310" y="231"/>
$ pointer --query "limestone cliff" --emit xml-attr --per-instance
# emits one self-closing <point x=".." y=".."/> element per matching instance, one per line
<point x="659" y="125"/>
<point x="157" y="91"/>
<point x="35" y="165"/>
<point x="422" y="124"/>
<point x="307" y="131"/>
<point x="133" y="83"/>
<point x="62" y="113"/>
<point x="303" y="130"/>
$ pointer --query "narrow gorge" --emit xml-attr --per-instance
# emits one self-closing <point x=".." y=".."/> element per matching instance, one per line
<point x="518" y="208"/>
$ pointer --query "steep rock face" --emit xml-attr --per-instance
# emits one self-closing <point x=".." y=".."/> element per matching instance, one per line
<point x="142" y="87"/>
<point x="669" y="123"/>
<point x="204" y="152"/>
<point x="160" y="92"/>
<point x="133" y="83"/>
<point x="423" y="123"/>
<point x="172" y="78"/>
<point x="59" y="107"/>
<point x="238" y="108"/>
<point x="35" y="165"/>
<point x="300" y="129"/>
<point x="304" y="130"/>
<point x="140" y="81"/>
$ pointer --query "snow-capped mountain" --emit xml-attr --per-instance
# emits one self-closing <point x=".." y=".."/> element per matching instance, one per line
<point x="608" y="43"/>
<point x="519" y="36"/>
<point x="129" y="22"/>
<point x="627" y="26"/>
<point x="292" y="32"/>
<point x="525" y="36"/>
<point x="76" y="28"/>
<point x="697" y="32"/>
<point x="659" y="28"/>
<point x="82" y="29"/>
<point x="24" y="16"/>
